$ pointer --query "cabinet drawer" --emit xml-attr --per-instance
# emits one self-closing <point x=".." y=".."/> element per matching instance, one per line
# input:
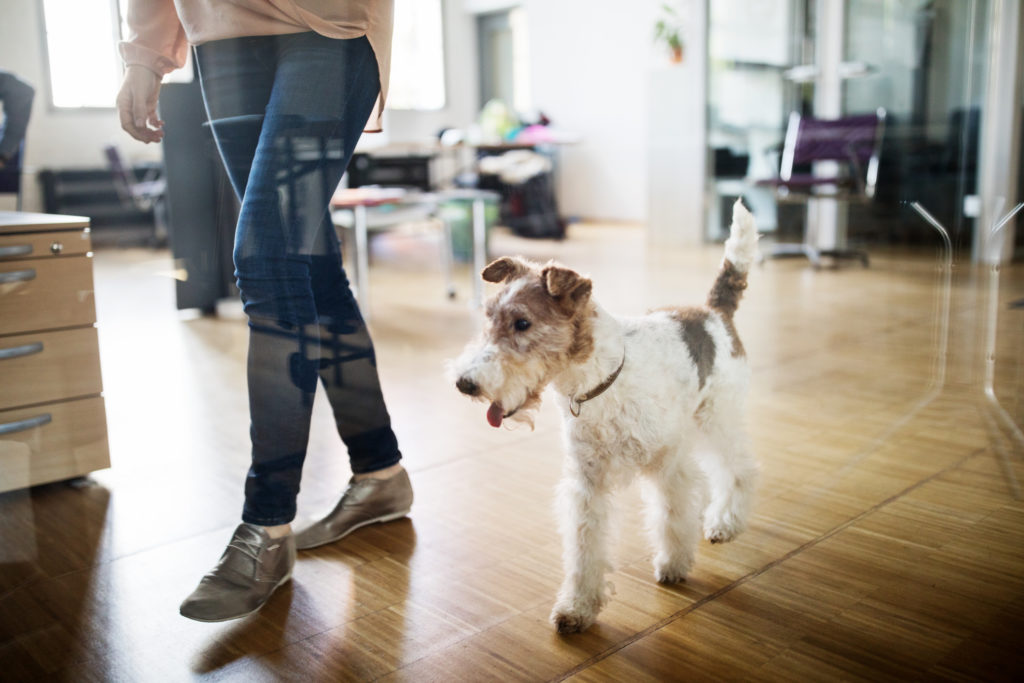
<point x="44" y="245"/>
<point x="49" y="366"/>
<point x="52" y="442"/>
<point x="40" y="294"/>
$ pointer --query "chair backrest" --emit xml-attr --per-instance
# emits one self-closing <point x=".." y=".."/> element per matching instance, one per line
<point x="855" y="140"/>
<point x="10" y="175"/>
<point x="123" y="176"/>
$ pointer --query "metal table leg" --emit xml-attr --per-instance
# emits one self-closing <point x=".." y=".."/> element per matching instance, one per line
<point x="362" y="260"/>
<point x="479" y="250"/>
<point x="446" y="257"/>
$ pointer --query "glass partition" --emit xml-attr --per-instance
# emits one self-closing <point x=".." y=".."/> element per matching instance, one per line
<point x="945" y="331"/>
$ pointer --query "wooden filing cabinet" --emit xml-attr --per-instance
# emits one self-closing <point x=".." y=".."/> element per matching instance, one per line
<point x="52" y="418"/>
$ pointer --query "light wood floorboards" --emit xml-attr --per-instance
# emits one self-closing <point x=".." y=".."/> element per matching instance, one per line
<point x="887" y="541"/>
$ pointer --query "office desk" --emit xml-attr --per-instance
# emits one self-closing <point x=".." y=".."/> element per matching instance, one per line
<point x="423" y="205"/>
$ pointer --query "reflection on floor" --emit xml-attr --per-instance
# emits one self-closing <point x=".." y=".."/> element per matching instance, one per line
<point x="888" y="540"/>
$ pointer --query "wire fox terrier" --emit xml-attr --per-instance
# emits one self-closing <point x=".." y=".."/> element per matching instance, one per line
<point x="636" y="394"/>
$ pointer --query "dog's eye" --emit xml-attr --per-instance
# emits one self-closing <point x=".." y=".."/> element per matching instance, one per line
<point x="521" y="325"/>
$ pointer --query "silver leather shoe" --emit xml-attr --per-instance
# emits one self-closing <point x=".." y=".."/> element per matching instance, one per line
<point x="252" y="567"/>
<point x="364" y="502"/>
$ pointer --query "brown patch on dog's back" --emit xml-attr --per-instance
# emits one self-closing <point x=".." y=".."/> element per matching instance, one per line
<point x="693" y="329"/>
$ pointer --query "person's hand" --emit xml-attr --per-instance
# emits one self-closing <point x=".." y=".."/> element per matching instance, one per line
<point x="136" y="104"/>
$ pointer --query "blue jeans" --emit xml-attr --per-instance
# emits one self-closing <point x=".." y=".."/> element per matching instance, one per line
<point x="286" y="112"/>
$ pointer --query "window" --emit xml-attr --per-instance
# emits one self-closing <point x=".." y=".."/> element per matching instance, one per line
<point x="417" y="56"/>
<point x="81" y="44"/>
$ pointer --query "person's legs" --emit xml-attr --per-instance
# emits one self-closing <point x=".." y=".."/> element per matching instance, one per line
<point x="348" y="366"/>
<point x="380" y="490"/>
<point x="286" y="254"/>
<point x="286" y="112"/>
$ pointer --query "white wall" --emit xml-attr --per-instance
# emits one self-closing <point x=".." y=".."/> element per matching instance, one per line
<point x="591" y="72"/>
<point x="589" y="75"/>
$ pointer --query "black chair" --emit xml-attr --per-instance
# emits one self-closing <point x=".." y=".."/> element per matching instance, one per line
<point x="854" y="143"/>
<point x="10" y="175"/>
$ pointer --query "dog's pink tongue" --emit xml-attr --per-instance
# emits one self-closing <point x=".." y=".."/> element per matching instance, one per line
<point x="494" y="415"/>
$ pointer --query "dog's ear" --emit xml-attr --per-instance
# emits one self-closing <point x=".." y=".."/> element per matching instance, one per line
<point x="504" y="269"/>
<point x="567" y="286"/>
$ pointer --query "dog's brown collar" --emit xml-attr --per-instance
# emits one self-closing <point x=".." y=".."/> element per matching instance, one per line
<point x="577" y="401"/>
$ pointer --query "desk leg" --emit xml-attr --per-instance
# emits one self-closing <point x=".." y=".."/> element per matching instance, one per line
<point x="479" y="250"/>
<point x="362" y="259"/>
<point x="446" y="257"/>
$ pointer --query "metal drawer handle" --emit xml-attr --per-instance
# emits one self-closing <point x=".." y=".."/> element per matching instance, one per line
<point x="17" y="276"/>
<point x="22" y="425"/>
<point x="16" y="250"/>
<point x="19" y="351"/>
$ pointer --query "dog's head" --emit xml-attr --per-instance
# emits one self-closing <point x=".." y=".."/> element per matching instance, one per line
<point x="537" y="325"/>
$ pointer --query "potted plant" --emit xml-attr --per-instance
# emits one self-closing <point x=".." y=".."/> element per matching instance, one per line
<point x="668" y="30"/>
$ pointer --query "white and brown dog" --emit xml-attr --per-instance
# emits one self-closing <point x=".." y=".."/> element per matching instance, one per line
<point x="636" y="395"/>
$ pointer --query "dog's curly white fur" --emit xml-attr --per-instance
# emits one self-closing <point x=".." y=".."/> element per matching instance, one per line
<point x="636" y="395"/>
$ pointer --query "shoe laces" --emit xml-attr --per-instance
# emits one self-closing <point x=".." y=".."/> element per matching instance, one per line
<point x="249" y="546"/>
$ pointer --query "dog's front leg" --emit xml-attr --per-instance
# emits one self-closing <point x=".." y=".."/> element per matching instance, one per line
<point x="584" y="508"/>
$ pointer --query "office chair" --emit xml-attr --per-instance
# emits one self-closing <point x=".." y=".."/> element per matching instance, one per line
<point x="10" y="175"/>
<point x="854" y="143"/>
<point x="147" y="194"/>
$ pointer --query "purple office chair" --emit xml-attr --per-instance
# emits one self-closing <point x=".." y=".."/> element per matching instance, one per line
<point x="855" y="143"/>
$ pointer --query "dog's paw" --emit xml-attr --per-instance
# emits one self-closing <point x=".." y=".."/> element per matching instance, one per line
<point x="569" y="620"/>
<point x="671" y="570"/>
<point x="721" y="527"/>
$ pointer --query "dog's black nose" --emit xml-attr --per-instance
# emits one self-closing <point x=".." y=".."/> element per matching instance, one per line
<point x="467" y="386"/>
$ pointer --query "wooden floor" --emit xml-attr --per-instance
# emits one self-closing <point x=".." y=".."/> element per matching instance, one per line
<point x="887" y="541"/>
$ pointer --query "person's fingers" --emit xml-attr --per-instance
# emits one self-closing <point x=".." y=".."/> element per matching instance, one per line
<point x="140" y="133"/>
<point x="136" y="105"/>
<point x="128" y="123"/>
<point x="139" y="113"/>
<point x="125" y="109"/>
<point x="124" y="106"/>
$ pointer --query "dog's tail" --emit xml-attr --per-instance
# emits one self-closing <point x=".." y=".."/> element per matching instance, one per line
<point x="740" y="253"/>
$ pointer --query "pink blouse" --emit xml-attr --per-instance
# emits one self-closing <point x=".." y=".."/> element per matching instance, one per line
<point x="160" y="31"/>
